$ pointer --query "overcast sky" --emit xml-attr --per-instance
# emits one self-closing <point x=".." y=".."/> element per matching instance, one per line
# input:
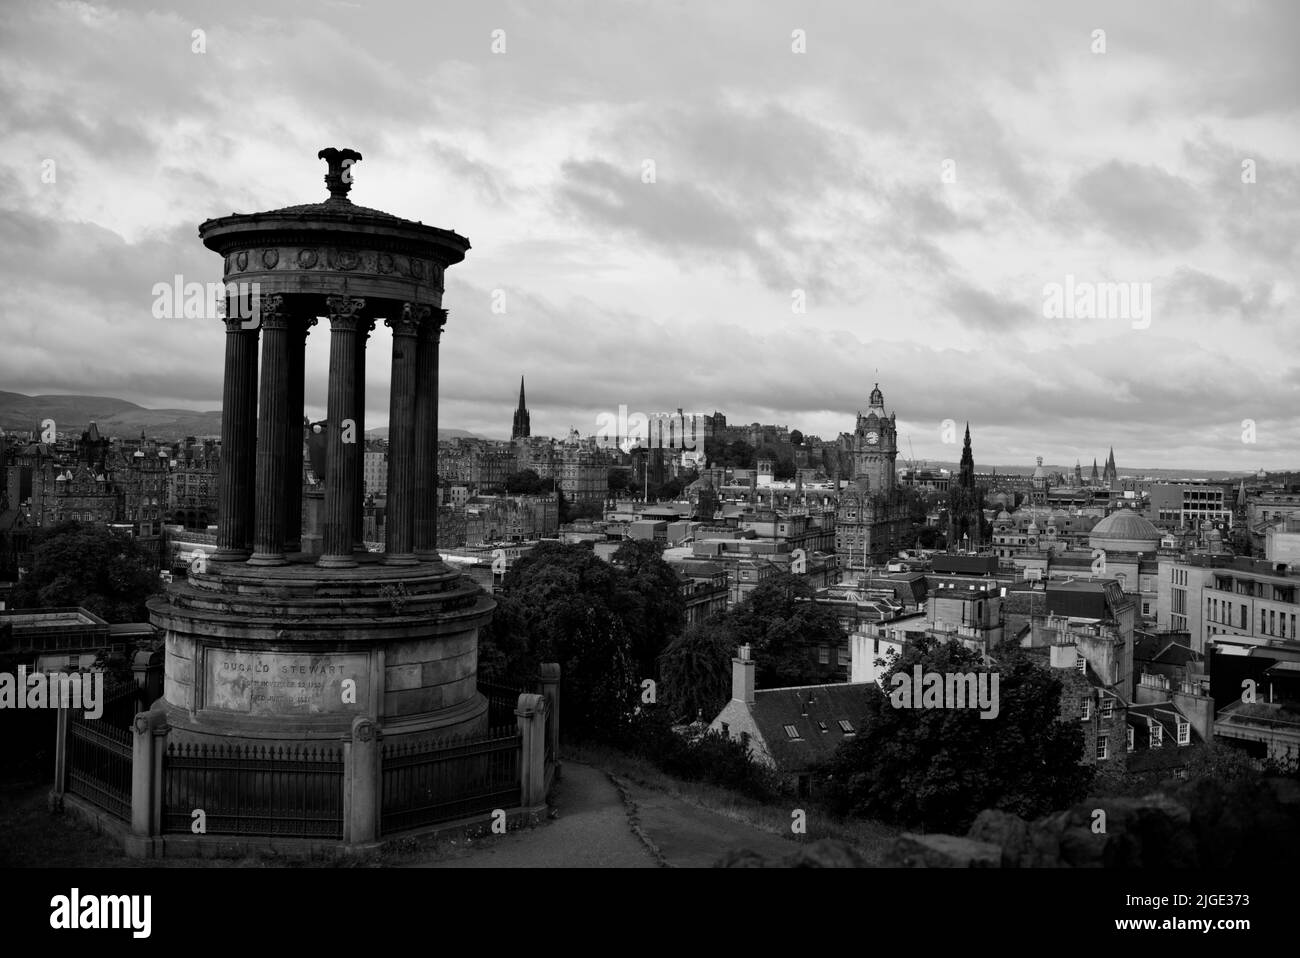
<point x="775" y="171"/>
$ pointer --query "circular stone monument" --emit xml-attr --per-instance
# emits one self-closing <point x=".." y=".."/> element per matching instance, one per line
<point x="285" y="636"/>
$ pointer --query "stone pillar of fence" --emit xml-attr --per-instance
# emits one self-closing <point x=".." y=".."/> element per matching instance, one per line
<point x="549" y="676"/>
<point x="531" y="712"/>
<point x="148" y="745"/>
<point x="362" y="782"/>
<point x="60" y="758"/>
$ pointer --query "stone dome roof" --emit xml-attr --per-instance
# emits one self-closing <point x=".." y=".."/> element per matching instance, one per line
<point x="1003" y="515"/>
<point x="1125" y="531"/>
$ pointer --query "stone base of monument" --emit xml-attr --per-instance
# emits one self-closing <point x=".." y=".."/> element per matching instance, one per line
<point x="291" y="655"/>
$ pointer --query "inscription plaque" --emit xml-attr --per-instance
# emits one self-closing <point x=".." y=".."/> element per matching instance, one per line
<point x="280" y="683"/>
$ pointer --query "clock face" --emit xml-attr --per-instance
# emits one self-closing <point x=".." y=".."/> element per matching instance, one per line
<point x="873" y="438"/>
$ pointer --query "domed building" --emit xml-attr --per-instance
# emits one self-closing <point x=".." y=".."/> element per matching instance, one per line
<point x="1125" y="531"/>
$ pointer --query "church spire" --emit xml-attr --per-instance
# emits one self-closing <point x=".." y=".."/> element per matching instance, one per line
<point x="521" y="426"/>
<point x="966" y="475"/>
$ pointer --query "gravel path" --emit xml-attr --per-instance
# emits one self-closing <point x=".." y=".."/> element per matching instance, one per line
<point x="599" y="826"/>
<point x="591" y="831"/>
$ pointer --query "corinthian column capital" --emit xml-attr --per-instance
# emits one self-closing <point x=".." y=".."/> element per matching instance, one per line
<point x="414" y="315"/>
<point x="345" y="311"/>
<point x="276" y="312"/>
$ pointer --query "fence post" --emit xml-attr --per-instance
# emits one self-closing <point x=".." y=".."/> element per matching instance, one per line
<point x="531" y="712"/>
<point x="161" y="731"/>
<point x="146" y="782"/>
<point x="362" y="782"/>
<point x="549" y="674"/>
<point x="60" y="756"/>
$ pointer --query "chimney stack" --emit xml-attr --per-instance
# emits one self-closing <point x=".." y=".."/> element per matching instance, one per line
<point x="742" y="676"/>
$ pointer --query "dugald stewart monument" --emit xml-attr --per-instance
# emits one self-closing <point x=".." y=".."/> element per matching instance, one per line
<point x="293" y="639"/>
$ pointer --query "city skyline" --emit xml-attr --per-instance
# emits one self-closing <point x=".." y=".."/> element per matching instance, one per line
<point x="1136" y="467"/>
<point x="782" y="178"/>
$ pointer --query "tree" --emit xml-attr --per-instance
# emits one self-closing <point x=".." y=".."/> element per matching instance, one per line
<point x="928" y="537"/>
<point x="560" y="603"/>
<point x="737" y="453"/>
<point x="620" y="482"/>
<point x="92" y="567"/>
<point x="657" y="586"/>
<point x="784" y="625"/>
<point x="937" y="768"/>
<point x="669" y="490"/>
<point x="695" y="673"/>
<point x="527" y="482"/>
<point x="796" y="437"/>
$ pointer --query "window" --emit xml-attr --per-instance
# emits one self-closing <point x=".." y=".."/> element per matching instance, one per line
<point x="744" y="739"/>
<point x="726" y="730"/>
<point x="823" y="655"/>
<point x="822" y="726"/>
<point x="1130" y="738"/>
<point x="1081" y="663"/>
<point x="791" y="731"/>
<point x="1102" y="748"/>
<point x="1157" y="736"/>
<point x="1085" y="710"/>
<point x="1184" y="733"/>
<point x="846" y="726"/>
<point x="1107" y="707"/>
<point x="1180" y="773"/>
<point x="845" y="659"/>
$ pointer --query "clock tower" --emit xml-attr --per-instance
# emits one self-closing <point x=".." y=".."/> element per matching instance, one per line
<point x="875" y="446"/>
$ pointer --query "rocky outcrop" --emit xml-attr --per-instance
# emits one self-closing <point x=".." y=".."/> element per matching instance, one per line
<point x="1204" y="824"/>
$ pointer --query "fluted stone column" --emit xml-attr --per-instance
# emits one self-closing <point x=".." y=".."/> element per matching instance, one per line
<point x="426" y="439"/>
<point x="400" y="521"/>
<point x="359" y="518"/>
<point x="238" y="444"/>
<point x="273" y="407"/>
<point x="293" y="438"/>
<point x="340" y="467"/>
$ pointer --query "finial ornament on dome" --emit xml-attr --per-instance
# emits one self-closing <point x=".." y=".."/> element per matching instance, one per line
<point x="339" y="177"/>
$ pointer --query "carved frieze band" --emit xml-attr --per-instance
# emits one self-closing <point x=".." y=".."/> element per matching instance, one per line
<point x="346" y="259"/>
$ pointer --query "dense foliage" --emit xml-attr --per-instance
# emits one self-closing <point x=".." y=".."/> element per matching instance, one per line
<point x="600" y="621"/>
<point x="784" y="626"/>
<point x="696" y="673"/>
<point x="105" y="572"/>
<point x="699" y="756"/>
<point x="937" y="768"/>
<point x="528" y="482"/>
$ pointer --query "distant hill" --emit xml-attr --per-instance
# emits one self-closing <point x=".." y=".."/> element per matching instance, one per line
<point x="117" y="417"/>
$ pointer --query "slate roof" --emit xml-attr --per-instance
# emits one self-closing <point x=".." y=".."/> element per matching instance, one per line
<point x="1148" y="647"/>
<point x="773" y="709"/>
<point x="1169" y="754"/>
